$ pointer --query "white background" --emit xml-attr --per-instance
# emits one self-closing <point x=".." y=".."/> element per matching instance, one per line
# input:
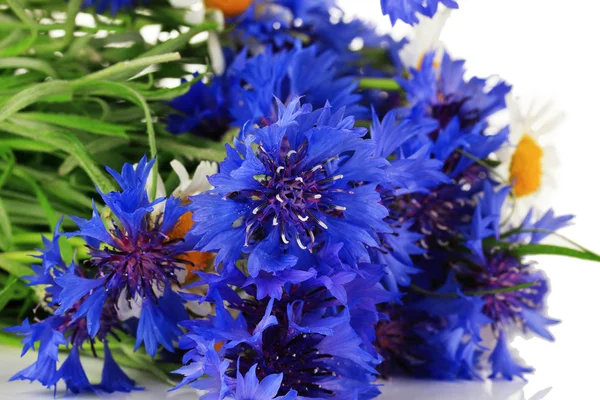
<point x="546" y="49"/>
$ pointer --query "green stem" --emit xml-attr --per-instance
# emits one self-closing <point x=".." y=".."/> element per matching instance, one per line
<point x="379" y="83"/>
<point x="126" y="67"/>
<point x="472" y="293"/>
<point x="534" y="249"/>
<point x="23" y="16"/>
<point x="28" y="63"/>
<point x="72" y="10"/>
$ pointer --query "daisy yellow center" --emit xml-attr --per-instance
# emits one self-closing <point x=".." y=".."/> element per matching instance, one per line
<point x="526" y="167"/>
<point x="231" y="8"/>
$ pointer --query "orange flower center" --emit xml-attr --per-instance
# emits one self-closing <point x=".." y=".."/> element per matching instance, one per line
<point x="198" y="260"/>
<point x="231" y="8"/>
<point x="526" y="167"/>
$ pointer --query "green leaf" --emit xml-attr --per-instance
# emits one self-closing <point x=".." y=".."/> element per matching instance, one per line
<point x="13" y="289"/>
<point x="73" y="8"/>
<point x="94" y="147"/>
<point x="144" y="362"/>
<point x="121" y="90"/>
<point x="48" y="210"/>
<point x="6" y="236"/>
<point x="62" y="140"/>
<point x="8" y="167"/>
<point x="55" y="90"/>
<point x="473" y="293"/>
<point x="126" y="69"/>
<point x="9" y="83"/>
<point x="67" y="193"/>
<point x="21" y="46"/>
<point x="13" y="267"/>
<point x="28" y="63"/>
<point x="168" y="93"/>
<point x="378" y="83"/>
<point x="62" y="190"/>
<point x="26" y="145"/>
<point x="81" y="123"/>
<point x="192" y="152"/>
<point x="531" y="249"/>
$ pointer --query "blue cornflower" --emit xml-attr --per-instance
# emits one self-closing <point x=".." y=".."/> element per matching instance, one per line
<point x="49" y="338"/>
<point x="531" y="231"/>
<point x="407" y="10"/>
<point x="503" y="363"/>
<point x="289" y="188"/>
<point x="203" y="110"/>
<point x="445" y="121"/>
<point x="492" y="269"/>
<point x="279" y="23"/>
<point x="246" y="92"/>
<point x="521" y="307"/>
<point x="138" y="258"/>
<point x="287" y="74"/>
<point x="444" y="94"/>
<point x="304" y="343"/>
<point x="276" y="21"/>
<point x="114" y="5"/>
<point x="443" y="339"/>
<point x="249" y="388"/>
<point x="71" y="327"/>
<point x="439" y="204"/>
<point x="425" y="345"/>
<point x="408" y="174"/>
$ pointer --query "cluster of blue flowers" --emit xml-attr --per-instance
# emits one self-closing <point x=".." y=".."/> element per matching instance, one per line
<point x="407" y="10"/>
<point x="342" y="253"/>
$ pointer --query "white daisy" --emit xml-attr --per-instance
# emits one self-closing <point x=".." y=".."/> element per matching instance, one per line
<point x="196" y="13"/>
<point x="529" y="159"/>
<point x="198" y="183"/>
<point x="425" y="37"/>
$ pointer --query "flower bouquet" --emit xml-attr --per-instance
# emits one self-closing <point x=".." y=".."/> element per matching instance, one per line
<point x="295" y="206"/>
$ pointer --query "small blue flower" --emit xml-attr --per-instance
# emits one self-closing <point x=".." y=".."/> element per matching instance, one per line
<point x="291" y="187"/>
<point x="246" y="93"/>
<point x="291" y="342"/>
<point x="81" y="318"/>
<point x="203" y="110"/>
<point x="443" y="93"/>
<point x="499" y="268"/>
<point x="407" y="10"/>
<point x="438" y="204"/>
<point x="287" y="74"/>
<point x="531" y="231"/>
<point x="113" y="377"/>
<point x="521" y="307"/>
<point x="503" y="363"/>
<point x="275" y="21"/>
<point x="114" y="5"/>
<point x="137" y="257"/>
<point x="426" y="346"/>
<point x="249" y="388"/>
<point x="72" y="373"/>
<point x="206" y="371"/>
<point x="407" y="174"/>
<point x="49" y="338"/>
